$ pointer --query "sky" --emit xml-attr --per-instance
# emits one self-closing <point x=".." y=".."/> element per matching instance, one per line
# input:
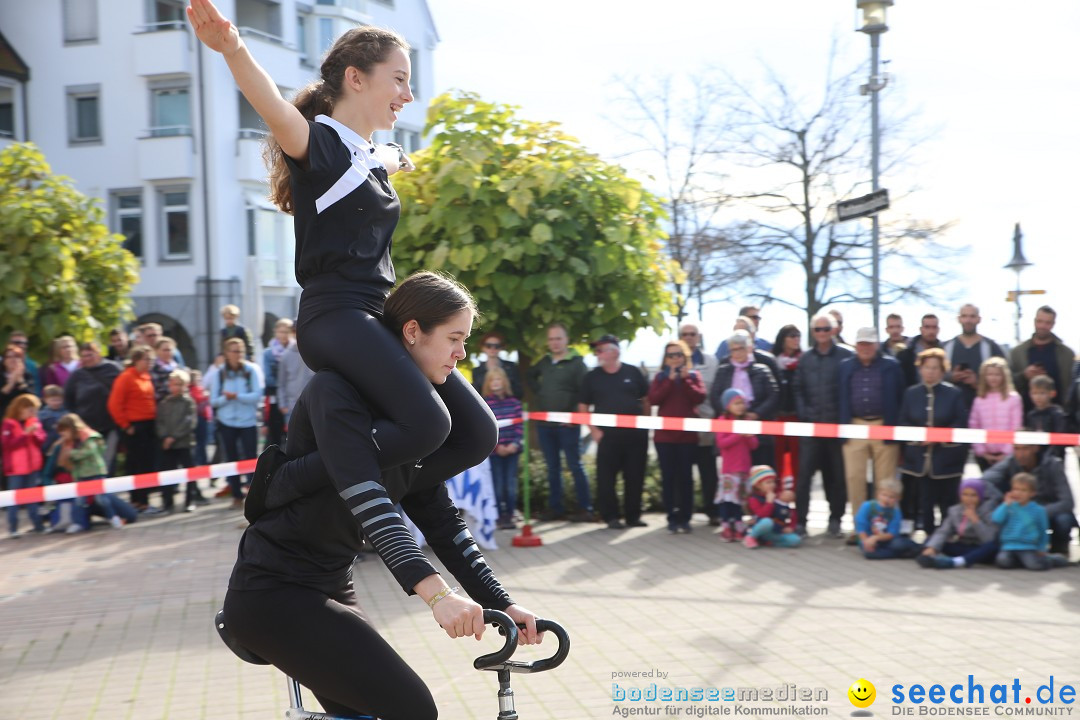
<point x="993" y="84"/>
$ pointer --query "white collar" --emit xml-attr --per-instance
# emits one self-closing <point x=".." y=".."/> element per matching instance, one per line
<point x="346" y="133"/>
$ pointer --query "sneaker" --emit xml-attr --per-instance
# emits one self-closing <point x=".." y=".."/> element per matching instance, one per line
<point x="800" y="530"/>
<point x="225" y="491"/>
<point x="750" y="542"/>
<point x="714" y="522"/>
<point x="268" y="463"/>
<point x="685" y="528"/>
<point x="189" y="508"/>
<point x="615" y="524"/>
<point x="74" y="528"/>
<point x="150" y="510"/>
<point x="834" y="528"/>
<point x="926" y="561"/>
<point x="116" y="522"/>
<point x="727" y="532"/>
<point x="672" y="528"/>
<point x="942" y="562"/>
<point x="636" y="522"/>
<point x="60" y="527"/>
<point x="740" y="532"/>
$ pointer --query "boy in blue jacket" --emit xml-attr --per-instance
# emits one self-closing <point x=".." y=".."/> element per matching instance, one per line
<point x="877" y="523"/>
<point x="1023" y="526"/>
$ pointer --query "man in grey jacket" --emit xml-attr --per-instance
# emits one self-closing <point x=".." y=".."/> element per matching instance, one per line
<point x="817" y="399"/>
<point x="292" y="376"/>
<point x="1054" y="493"/>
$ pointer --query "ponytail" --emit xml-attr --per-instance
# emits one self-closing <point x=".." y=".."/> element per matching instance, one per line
<point x="362" y="48"/>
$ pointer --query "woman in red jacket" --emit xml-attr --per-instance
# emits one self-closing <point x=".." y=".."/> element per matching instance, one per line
<point x="677" y="390"/>
<point x="21" y="438"/>
<point x="132" y="406"/>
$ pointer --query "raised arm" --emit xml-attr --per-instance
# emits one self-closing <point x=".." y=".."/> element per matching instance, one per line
<point x="287" y="125"/>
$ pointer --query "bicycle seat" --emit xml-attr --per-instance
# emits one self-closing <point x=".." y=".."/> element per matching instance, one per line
<point x="239" y="650"/>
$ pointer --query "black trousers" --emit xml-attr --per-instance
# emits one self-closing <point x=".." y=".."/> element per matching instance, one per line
<point x="621" y="450"/>
<point x="826" y="455"/>
<point x="175" y="459"/>
<point x="414" y="418"/>
<point x="327" y="645"/>
<point x="141" y="455"/>
<point x="275" y="421"/>
<point x="934" y="492"/>
<point x="705" y="457"/>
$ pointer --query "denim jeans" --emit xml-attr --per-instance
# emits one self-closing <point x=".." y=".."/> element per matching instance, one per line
<point x="108" y="505"/>
<point x="900" y="546"/>
<point x="565" y="439"/>
<point x="765" y="531"/>
<point x="504" y="476"/>
<point x="237" y="444"/>
<point x="18" y="482"/>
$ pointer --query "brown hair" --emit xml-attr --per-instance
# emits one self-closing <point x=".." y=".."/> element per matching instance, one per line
<point x="19" y="403"/>
<point x="493" y="373"/>
<point x="429" y="298"/>
<point x="1025" y="479"/>
<point x="1042" y="382"/>
<point x="362" y="48"/>
<point x="71" y="422"/>
<point x="137" y="353"/>
<point x="52" y="391"/>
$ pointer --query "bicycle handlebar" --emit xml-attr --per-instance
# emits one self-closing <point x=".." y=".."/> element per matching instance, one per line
<point x="501" y="660"/>
<point x="506" y="627"/>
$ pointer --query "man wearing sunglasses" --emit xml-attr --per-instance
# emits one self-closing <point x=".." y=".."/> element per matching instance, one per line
<point x="817" y="399"/>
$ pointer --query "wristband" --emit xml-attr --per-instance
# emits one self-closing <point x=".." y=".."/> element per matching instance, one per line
<point x="441" y="594"/>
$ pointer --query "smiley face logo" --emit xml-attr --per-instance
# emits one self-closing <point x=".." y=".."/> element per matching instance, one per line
<point x="862" y="693"/>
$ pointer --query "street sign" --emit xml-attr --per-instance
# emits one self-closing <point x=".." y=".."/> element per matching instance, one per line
<point x="863" y="206"/>
<point x="1014" y="294"/>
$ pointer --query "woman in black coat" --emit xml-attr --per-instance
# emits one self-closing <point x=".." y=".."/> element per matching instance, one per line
<point x="763" y="398"/>
<point x="930" y="470"/>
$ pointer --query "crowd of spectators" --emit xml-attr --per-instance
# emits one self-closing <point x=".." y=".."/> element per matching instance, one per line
<point x="157" y="414"/>
<point x="137" y="408"/>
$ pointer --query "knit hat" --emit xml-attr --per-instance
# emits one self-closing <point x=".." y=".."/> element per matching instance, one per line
<point x="975" y="484"/>
<point x="760" y="473"/>
<point x="729" y="395"/>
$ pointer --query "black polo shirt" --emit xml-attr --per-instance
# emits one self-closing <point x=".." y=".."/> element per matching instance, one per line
<point x="618" y="393"/>
<point x="344" y="214"/>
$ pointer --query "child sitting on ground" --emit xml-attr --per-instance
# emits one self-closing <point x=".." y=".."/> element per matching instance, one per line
<point x="773" y="518"/>
<point x="1024" y="525"/>
<point x="735" y="449"/>
<point x="967" y="535"/>
<point x="878" y="525"/>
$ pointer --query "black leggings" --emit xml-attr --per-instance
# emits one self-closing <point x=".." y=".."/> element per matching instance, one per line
<point x="327" y="645"/>
<point x="414" y="420"/>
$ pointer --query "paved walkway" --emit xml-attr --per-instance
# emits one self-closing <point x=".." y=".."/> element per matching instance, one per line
<point x="117" y="624"/>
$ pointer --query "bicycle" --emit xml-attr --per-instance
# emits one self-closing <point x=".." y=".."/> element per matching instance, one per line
<point x="498" y="662"/>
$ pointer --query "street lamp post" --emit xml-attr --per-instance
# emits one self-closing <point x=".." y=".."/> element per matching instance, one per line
<point x="874" y="25"/>
<point x="1017" y="265"/>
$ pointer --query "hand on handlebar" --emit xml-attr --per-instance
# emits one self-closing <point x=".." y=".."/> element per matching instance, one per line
<point x="459" y="616"/>
<point x="522" y="616"/>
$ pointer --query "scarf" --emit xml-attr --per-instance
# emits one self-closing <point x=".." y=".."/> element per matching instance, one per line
<point x="741" y="380"/>
<point x="787" y="362"/>
<point x="276" y="349"/>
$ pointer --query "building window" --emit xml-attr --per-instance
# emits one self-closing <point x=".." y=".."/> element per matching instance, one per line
<point x="127" y="220"/>
<point x="409" y="140"/>
<point x="166" y="15"/>
<point x="261" y="18"/>
<point x="414" y="79"/>
<point x="84" y="121"/>
<point x="326" y="34"/>
<point x="170" y="111"/>
<point x="7" y="111"/>
<point x="301" y="38"/>
<point x="175" y="214"/>
<point x="251" y="124"/>
<point x="80" y="21"/>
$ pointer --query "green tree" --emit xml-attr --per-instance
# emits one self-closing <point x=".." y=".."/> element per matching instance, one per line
<point x="61" y="270"/>
<point x="537" y="227"/>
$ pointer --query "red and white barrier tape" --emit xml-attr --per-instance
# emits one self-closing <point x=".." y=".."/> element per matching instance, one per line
<point x="643" y="422"/>
<point x="66" y="491"/>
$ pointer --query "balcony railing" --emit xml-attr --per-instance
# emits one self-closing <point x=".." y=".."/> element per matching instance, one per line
<point x="169" y="131"/>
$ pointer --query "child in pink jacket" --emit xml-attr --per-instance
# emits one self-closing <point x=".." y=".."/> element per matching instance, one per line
<point x="735" y="449"/>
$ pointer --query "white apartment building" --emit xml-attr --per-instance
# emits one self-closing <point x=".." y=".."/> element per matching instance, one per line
<point x="121" y="97"/>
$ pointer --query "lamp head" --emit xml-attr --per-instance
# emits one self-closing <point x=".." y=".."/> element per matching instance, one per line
<point x="873" y="15"/>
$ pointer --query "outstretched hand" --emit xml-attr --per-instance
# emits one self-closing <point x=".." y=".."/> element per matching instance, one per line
<point x="214" y="30"/>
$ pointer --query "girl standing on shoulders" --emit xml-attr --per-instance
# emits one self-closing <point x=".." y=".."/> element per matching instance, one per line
<point x="326" y="172"/>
